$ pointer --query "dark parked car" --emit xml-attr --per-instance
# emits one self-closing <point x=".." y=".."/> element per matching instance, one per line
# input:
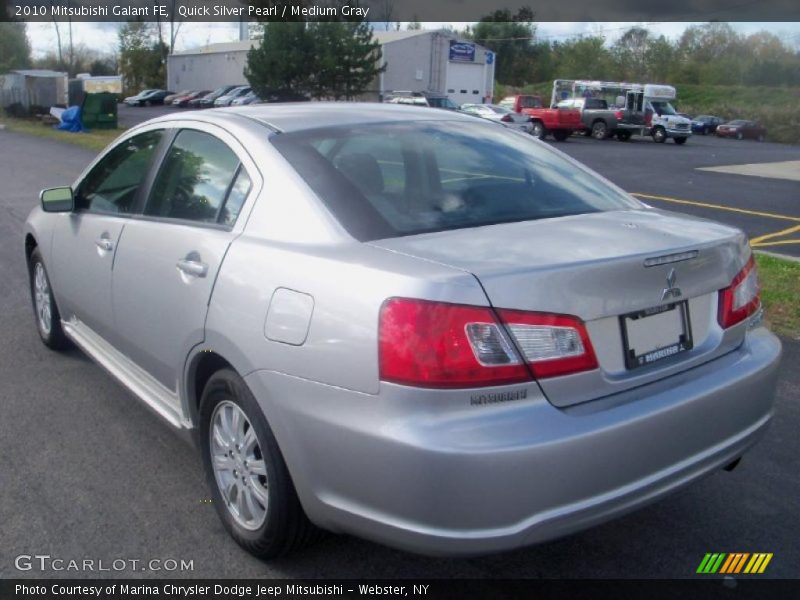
<point x="140" y="98"/>
<point x="207" y="101"/>
<point x="184" y="101"/>
<point x="741" y="129"/>
<point x="148" y="97"/>
<point x="706" y="124"/>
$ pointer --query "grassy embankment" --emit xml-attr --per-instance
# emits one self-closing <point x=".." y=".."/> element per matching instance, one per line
<point x="96" y="140"/>
<point x="777" y="108"/>
<point x="780" y="293"/>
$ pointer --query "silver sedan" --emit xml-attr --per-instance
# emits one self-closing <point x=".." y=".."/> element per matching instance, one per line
<point x="500" y="114"/>
<point x="411" y="326"/>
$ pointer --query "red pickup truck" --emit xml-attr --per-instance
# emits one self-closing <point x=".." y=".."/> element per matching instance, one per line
<point x="561" y="122"/>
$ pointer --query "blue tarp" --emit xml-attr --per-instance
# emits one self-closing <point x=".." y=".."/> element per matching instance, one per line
<point x="71" y="120"/>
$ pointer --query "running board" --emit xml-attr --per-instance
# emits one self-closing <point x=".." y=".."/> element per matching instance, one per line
<point x="162" y="401"/>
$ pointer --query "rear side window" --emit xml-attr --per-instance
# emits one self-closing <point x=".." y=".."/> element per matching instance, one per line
<point x="392" y="180"/>
<point x="111" y="186"/>
<point x="195" y="180"/>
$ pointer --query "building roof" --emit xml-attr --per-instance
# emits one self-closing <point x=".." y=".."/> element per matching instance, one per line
<point x="222" y="47"/>
<point x="39" y="73"/>
<point x="387" y="37"/>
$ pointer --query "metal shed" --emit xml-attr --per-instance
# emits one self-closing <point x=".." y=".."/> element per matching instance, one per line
<point x="33" y="89"/>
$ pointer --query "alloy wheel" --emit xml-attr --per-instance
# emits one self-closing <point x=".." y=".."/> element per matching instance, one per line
<point x="41" y="291"/>
<point x="239" y="467"/>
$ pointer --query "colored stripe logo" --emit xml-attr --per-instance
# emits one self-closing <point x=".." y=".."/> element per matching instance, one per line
<point x="734" y="563"/>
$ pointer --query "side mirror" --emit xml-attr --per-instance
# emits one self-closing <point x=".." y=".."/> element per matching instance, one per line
<point x="58" y="199"/>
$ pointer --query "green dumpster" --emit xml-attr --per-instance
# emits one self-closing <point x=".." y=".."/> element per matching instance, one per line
<point x="99" y="111"/>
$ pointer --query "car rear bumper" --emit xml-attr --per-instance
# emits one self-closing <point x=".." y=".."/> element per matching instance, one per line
<point x="436" y="472"/>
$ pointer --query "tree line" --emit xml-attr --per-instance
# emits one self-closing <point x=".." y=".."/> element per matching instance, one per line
<point x="712" y="54"/>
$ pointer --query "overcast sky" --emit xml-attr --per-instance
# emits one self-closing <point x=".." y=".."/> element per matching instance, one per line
<point x="103" y="36"/>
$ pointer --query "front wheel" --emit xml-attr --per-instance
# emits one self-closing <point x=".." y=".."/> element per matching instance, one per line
<point x="48" y="319"/>
<point x="561" y="135"/>
<point x="680" y="140"/>
<point x="250" y="484"/>
<point x="659" y="135"/>
<point x="538" y="130"/>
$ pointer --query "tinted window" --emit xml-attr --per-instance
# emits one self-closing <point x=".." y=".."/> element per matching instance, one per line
<point x="112" y="184"/>
<point x="194" y="179"/>
<point x="401" y="179"/>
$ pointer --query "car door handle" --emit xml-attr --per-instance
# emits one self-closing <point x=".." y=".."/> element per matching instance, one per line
<point x="193" y="267"/>
<point x="104" y="244"/>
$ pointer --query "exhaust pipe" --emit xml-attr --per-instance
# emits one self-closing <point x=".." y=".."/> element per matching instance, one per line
<point x="731" y="466"/>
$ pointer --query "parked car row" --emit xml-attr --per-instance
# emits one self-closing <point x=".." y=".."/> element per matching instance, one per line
<point x="227" y="95"/>
<point x="738" y="128"/>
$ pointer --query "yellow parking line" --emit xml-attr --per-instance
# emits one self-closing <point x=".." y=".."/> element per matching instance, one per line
<point x="760" y="239"/>
<point x="745" y="211"/>
<point x="780" y="243"/>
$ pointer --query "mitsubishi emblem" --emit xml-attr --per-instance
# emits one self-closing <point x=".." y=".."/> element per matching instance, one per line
<point x="671" y="291"/>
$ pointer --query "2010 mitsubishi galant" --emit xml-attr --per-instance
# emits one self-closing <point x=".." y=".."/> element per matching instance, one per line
<point x="409" y="325"/>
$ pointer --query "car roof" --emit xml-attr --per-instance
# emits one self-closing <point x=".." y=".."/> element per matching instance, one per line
<point x="300" y="116"/>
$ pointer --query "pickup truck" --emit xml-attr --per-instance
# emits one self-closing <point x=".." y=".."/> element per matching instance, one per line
<point x="597" y="119"/>
<point x="560" y="122"/>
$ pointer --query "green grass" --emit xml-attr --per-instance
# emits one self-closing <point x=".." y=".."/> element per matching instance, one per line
<point x="780" y="294"/>
<point x="777" y="108"/>
<point x="95" y="140"/>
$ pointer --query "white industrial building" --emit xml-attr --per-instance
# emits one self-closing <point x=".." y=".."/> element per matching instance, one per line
<point x="416" y="61"/>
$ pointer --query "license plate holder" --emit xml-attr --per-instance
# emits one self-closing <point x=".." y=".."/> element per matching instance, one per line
<point x="654" y="334"/>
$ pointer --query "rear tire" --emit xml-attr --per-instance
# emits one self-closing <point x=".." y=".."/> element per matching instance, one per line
<point x="659" y="135"/>
<point x="45" y="309"/>
<point x="561" y="135"/>
<point x="258" y="505"/>
<point x="740" y="136"/>
<point x="599" y="130"/>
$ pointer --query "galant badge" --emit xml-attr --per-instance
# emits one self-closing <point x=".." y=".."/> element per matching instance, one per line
<point x="671" y="291"/>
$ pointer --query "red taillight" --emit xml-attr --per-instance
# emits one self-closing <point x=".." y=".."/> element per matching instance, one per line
<point x="436" y="344"/>
<point x="507" y="119"/>
<point x="741" y="298"/>
<point x="619" y="115"/>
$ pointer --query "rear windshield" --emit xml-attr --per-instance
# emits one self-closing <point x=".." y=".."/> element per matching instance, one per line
<point x="391" y="180"/>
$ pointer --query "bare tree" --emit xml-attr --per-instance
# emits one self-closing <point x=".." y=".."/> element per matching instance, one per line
<point x="386" y="16"/>
<point x="58" y="38"/>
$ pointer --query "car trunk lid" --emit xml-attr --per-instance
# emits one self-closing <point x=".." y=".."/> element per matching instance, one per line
<point x="593" y="266"/>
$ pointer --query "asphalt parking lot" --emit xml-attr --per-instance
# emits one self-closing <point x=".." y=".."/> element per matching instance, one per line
<point x="674" y="178"/>
<point x="87" y="472"/>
